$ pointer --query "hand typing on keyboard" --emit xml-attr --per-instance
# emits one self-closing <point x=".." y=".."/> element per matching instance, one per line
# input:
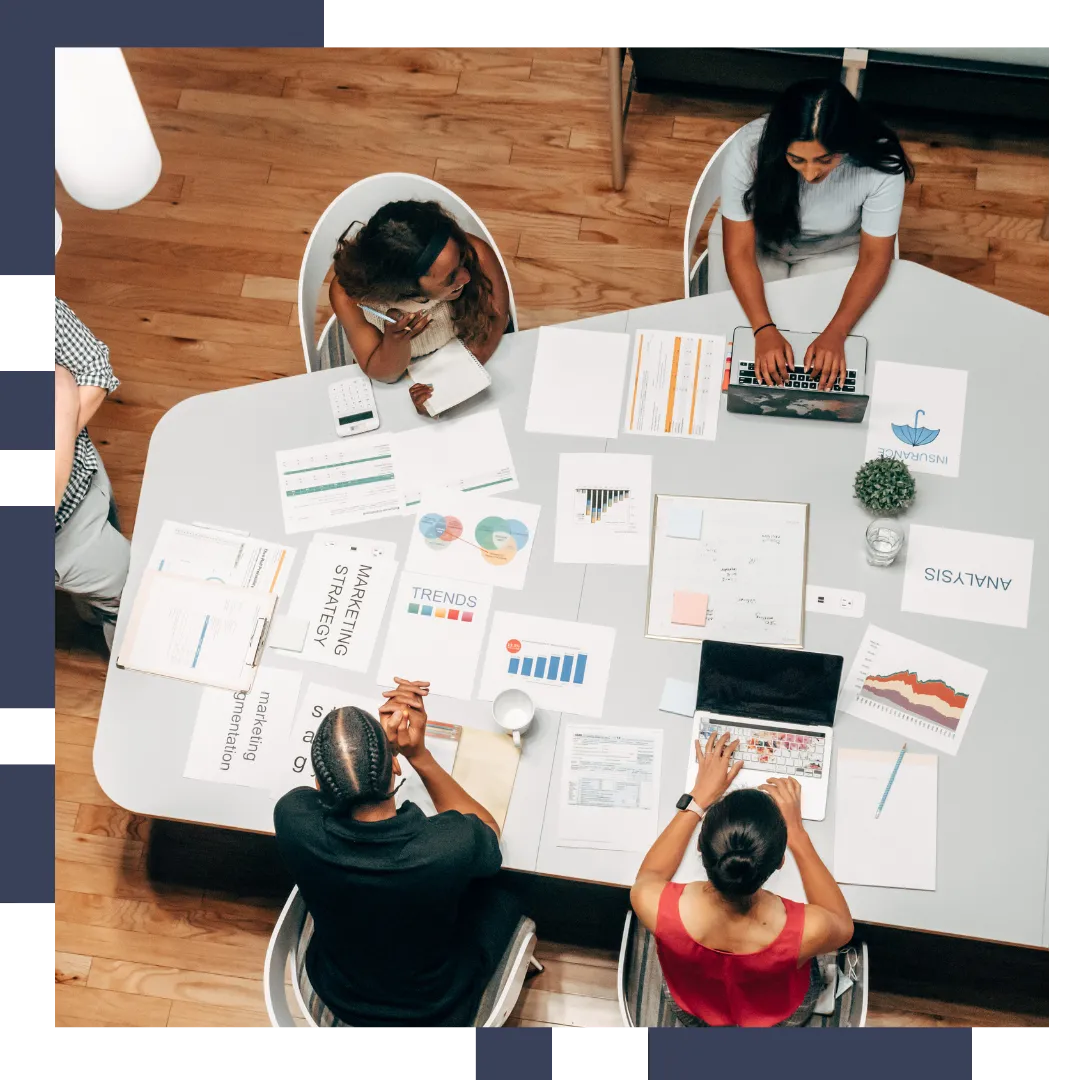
<point x="779" y="753"/>
<point x="825" y="359"/>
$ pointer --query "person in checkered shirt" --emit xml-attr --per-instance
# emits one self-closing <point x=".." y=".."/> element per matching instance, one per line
<point x="91" y="553"/>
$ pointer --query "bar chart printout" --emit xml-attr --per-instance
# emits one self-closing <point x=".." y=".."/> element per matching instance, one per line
<point x="560" y="665"/>
<point x="605" y="506"/>
<point x="538" y="660"/>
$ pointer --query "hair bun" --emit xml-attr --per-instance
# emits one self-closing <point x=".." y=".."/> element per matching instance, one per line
<point x="737" y="868"/>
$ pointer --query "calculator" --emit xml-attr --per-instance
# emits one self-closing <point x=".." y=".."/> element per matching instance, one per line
<point x="352" y="401"/>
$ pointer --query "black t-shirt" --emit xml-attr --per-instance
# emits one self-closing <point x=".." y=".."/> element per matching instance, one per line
<point x="392" y="944"/>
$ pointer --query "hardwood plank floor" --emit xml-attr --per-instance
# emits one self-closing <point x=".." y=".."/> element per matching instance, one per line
<point x="194" y="290"/>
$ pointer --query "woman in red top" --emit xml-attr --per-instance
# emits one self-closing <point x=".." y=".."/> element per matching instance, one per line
<point x="731" y="952"/>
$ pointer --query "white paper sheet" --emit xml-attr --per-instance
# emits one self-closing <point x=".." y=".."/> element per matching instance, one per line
<point x="436" y="630"/>
<point x="442" y="740"/>
<point x="750" y="564"/>
<point x="675" y="384"/>
<point x="338" y="483"/>
<point x="469" y="453"/>
<point x="608" y="792"/>
<point x="679" y="697"/>
<point x="604" y="509"/>
<point x="342" y="593"/>
<point x="967" y="575"/>
<point x="217" y="555"/>
<point x="917" y="416"/>
<point x="240" y="738"/>
<point x="898" y="849"/>
<point x="473" y="537"/>
<point x="911" y="689"/>
<point x="577" y="382"/>
<point x="523" y="650"/>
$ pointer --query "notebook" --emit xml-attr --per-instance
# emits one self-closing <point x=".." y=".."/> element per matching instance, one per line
<point x="453" y="372"/>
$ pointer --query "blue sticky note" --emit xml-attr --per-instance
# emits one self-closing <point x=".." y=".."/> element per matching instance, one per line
<point x="684" y="522"/>
<point x="679" y="697"/>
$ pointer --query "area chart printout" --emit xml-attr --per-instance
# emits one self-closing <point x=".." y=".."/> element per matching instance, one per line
<point x="338" y="483"/>
<point x="675" y="384"/>
<point x="911" y="689"/>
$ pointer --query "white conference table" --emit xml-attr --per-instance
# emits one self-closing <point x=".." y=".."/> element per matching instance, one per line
<point x="212" y="459"/>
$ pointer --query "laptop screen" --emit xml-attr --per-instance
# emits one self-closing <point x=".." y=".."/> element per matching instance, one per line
<point x="783" y="685"/>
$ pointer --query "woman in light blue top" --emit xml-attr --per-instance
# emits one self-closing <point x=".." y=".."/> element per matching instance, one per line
<point x="817" y="183"/>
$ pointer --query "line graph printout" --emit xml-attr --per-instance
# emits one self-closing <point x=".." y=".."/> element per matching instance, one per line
<point x="741" y="578"/>
<point x="912" y="689"/>
<point x="675" y="384"/>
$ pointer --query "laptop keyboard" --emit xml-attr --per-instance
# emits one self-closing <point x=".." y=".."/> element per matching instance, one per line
<point x="778" y="753"/>
<point x="799" y="379"/>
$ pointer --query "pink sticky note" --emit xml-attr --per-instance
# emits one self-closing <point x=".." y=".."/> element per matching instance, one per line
<point x="689" y="608"/>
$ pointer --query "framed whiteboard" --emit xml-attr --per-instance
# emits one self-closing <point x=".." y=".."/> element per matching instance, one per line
<point x="728" y="570"/>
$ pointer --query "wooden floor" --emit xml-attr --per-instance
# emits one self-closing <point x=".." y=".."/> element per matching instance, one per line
<point x="194" y="289"/>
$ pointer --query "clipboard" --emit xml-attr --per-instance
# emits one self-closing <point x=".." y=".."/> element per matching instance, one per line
<point x="201" y="632"/>
<point x="662" y="544"/>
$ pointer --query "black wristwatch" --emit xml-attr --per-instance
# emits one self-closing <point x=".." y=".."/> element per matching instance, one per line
<point x="686" y="802"/>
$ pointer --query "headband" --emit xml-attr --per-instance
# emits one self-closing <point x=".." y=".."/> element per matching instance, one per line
<point x="431" y="250"/>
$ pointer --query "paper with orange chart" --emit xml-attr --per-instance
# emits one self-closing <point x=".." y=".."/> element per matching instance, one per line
<point x="675" y="384"/>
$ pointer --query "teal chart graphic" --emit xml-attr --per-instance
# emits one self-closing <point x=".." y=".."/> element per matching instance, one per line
<point x="498" y="539"/>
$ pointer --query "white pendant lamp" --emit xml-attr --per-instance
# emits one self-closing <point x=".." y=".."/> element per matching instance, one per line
<point x="106" y="156"/>
<point x="58" y="231"/>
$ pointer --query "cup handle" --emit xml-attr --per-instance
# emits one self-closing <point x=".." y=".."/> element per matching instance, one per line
<point x="517" y="739"/>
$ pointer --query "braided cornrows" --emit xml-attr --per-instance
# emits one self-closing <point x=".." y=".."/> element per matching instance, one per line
<point x="352" y="760"/>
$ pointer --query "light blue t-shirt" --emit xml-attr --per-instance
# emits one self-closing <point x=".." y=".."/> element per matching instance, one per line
<point x="851" y="198"/>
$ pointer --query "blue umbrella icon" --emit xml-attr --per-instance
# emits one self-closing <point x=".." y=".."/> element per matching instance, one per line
<point x="915" y="435"/>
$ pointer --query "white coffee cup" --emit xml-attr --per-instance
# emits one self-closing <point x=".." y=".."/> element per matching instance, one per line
<point x="513" y="710"/>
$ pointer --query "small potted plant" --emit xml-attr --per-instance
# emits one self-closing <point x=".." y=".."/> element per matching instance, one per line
<point x="885" y="486"/>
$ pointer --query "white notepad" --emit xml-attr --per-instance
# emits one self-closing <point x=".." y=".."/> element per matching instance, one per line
<point x="454" y="374"/>
<point x="899" y="848"/>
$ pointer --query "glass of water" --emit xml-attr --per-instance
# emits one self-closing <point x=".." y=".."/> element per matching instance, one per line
<point x="884" y="539"/>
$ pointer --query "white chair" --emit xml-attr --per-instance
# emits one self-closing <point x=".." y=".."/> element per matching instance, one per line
<point x="705" y="197"/>
<point x="357" y="203"/>
<point x="282" y="954"/>
<point x="644" y="1000"/>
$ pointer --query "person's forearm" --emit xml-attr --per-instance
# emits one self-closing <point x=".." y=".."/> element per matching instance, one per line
<point x="90" y="399"/>
<point x="749" y="288"/>
<point x="818" y="884"/>
<point x="387" y="363"/>
<point x="667" y="852"/>
<point x="865" y="283"/>
<point x="65" y="430"/>
<point x="446" y="793"/>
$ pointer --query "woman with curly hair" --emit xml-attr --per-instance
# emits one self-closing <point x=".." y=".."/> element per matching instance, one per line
<point x="415" y="264"/>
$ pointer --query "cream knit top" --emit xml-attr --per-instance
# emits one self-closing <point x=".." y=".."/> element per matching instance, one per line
<point x="434" y="336"/>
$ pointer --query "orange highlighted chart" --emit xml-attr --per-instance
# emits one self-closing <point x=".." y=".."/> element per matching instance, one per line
<point x="675" y="384"/>
<point x="918" y="692"/>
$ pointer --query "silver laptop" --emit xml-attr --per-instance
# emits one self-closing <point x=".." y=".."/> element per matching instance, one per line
<point x="742" y="362"/>
<point x="780" y="705"/>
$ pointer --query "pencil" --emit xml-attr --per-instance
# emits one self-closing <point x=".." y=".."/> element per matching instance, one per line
<point x="377" y="314"/>
<point x="892" y="777"/>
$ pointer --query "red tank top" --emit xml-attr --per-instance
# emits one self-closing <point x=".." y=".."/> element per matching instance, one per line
<point x="752" y="990"/>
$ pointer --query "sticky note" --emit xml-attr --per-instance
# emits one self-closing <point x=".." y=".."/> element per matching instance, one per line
<point x="689" y="608"/>
<point x="679" y="697"/>
<point x="287" y="634"/>
<point x="684" y="522"/>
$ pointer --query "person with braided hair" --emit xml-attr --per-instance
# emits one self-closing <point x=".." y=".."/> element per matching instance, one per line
<point x="732" y="953"/>
<point x="405" y="922"/>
